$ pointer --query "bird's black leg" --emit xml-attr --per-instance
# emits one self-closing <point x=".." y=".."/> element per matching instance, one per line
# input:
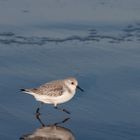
<point x="65" y="120"/>
<point x="37" y="110"/>
<point x="61" y="109"/>
<point x="39" y="119"/>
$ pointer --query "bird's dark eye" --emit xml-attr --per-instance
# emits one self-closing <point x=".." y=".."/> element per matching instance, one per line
<point x="72" y="83"/>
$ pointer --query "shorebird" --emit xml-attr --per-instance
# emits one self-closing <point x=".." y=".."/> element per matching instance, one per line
<point x="55" y="92"/>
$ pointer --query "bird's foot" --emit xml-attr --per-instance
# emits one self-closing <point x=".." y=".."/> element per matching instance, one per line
<point x="66" y="111"/>
<point x="65" y="120"/>
<point x="61" y="109"/>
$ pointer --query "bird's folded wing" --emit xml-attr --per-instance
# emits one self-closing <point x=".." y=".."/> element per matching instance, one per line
<point x="51" y="90"/>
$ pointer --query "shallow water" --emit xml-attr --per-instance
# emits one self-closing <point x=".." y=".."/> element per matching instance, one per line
<point x="39" y="44"/>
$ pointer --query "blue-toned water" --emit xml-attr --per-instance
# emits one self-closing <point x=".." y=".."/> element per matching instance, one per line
<point x="95" y="41"/>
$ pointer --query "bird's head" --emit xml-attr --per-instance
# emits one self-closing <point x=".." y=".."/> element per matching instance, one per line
<point x="73" y="83"/>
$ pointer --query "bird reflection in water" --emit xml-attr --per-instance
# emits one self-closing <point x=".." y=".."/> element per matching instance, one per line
<point x="50" y="132"/>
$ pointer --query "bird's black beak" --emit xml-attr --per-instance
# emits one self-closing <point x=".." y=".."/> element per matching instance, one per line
<point x="80" y="88"/>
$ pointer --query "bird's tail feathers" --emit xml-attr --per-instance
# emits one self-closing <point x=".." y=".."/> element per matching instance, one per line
<point x="25" y="90"/>
<point x="22" y="89"/>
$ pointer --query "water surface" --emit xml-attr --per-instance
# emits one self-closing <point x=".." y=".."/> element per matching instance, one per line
<point x="47" y="40"/>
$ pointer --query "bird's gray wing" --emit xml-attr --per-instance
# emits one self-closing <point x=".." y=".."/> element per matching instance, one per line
<point x="50" y="89"/>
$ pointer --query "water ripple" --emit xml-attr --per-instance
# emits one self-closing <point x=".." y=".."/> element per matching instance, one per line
<point x="129" y="33"/>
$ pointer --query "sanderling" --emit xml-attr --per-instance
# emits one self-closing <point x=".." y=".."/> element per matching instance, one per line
<point x="55" y="92"/>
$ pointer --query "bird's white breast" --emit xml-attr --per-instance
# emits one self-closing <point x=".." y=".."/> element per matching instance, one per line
<point x="66" y="96"/>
